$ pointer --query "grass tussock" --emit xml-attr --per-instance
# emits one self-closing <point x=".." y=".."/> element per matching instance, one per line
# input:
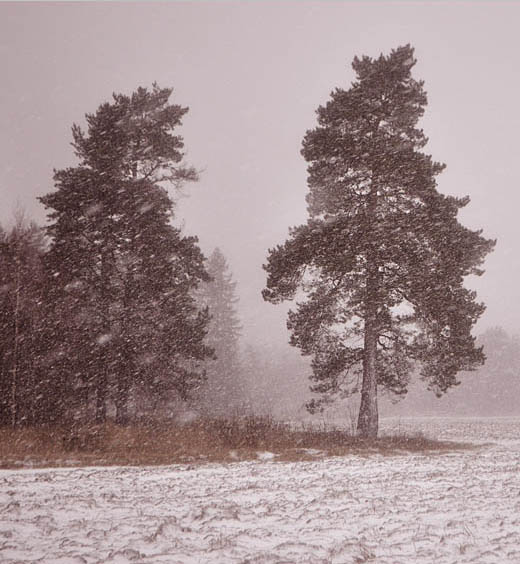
<point x="203" y="440"/>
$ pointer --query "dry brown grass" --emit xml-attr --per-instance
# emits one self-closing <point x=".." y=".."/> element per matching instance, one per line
<point x="208" y="440"/>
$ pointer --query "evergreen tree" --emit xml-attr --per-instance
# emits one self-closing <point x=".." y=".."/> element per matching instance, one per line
<point x="382" y="257"/>
<point x="222" y="390"/>
<point x="123" y="274"/>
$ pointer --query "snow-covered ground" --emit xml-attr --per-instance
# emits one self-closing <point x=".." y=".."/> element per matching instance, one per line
<point x="454" y="507"/>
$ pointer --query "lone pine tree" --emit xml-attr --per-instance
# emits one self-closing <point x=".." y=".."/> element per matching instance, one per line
<point x="382" y="257"/>
<point x="123" y="274"/>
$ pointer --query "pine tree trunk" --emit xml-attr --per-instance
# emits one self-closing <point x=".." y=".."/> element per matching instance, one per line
<point x="368" y="421"/>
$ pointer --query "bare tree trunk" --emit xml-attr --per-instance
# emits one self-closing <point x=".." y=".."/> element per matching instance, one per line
<point x="101" y="397"/>
<point x="123" y="386"/>
<point x="102" y="377"/>
<point x="121" y="401"/>
<point x="14" y="381"/>
<point x="126" y="361"/>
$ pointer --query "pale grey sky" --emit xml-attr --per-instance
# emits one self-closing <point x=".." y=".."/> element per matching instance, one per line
<point x="253" y="74"/>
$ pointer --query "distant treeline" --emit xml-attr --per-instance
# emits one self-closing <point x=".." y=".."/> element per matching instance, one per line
<point x="491" y="390"/>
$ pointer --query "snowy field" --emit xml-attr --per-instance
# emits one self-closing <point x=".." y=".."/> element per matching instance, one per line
<point x="454" y="507"/>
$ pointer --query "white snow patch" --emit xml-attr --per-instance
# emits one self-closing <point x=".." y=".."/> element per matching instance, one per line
<point x="103" y="339"/>
<point x="265" y="455"/>
<point x="312" y="451"/>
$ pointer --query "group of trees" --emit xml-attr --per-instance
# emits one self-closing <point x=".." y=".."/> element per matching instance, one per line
<point x="117" y="305"/>
<point x="23" y="384"/>
<point x="103" y="309"/>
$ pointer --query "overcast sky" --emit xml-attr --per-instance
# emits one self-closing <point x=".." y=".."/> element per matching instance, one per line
<point x="253" y="74"/>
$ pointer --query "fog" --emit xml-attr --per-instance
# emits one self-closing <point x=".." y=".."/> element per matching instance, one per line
<point x="253" y="74"/>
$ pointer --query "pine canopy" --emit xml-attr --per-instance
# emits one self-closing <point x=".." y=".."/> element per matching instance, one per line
<point x="119" y="264"/>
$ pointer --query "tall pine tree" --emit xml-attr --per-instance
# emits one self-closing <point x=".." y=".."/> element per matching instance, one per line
<point x="382" y="258"/>
<point x="124" y="276"/>
<point x="222" y="391"/>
